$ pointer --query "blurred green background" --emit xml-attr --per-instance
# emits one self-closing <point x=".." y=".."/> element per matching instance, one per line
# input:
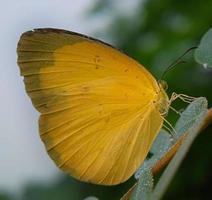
<point x="155" y="33"/>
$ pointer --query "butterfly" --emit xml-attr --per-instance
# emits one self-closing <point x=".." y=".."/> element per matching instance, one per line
<point x="100" y="110"/>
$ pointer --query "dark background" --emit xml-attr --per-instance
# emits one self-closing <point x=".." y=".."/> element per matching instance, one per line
<point x="156" y="34"/>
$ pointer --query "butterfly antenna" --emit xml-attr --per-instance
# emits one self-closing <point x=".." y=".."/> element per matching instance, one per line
<point x="176" y="62"/>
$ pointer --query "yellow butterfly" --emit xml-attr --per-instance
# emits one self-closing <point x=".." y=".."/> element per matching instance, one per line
<point x="100" y="109"/>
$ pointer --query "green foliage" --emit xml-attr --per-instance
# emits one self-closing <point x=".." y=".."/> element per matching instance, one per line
<point x="190" y="117"/>
<point x="70" y="189"/>
<point x="189" y="123"/>
<point x="203" y="54"/>
<point x="145" y="185"/>
<point x="4" y="197"/>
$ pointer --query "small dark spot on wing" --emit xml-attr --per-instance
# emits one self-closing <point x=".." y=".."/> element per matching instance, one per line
<point x="85" y="88"/>
<point x="97" y="58"/>
<point x="97" y="61"/>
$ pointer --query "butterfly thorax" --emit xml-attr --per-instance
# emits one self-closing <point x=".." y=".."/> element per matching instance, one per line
<point x="163" y="99"/>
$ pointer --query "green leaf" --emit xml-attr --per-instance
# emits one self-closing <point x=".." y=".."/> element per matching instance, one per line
<point x="191" y="122"/>
<point x="145" y="185"/>
<point x="203" y="53"/>
<point x="190" y="115"/>
<point x="161" y="144"/>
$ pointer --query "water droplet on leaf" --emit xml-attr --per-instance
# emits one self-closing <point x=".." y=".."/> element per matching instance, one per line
<point x="205" y="65"/>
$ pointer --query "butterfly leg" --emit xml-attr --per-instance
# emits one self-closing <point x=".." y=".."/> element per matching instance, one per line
<point x="176" y="111"/>
<point x="169" y="128"/>
<point x="183" y="97"/>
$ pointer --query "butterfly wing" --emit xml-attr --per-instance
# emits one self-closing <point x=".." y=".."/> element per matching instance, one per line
<point x="98" y="119"/>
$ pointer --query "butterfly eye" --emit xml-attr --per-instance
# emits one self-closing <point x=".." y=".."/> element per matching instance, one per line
<point x="163" y="84"/>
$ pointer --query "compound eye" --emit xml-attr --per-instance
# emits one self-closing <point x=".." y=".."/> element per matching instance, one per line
<point x="163" y="84"/>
